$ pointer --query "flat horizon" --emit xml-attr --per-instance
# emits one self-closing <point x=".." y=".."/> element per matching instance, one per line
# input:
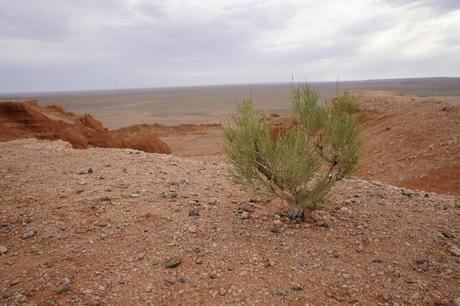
<point x="13" y="94"/>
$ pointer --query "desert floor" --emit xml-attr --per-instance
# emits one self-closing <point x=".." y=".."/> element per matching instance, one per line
<point x="104" y="226"/>
<point x="144" y="229"/>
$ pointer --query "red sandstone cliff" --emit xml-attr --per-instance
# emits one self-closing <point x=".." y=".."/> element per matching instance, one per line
<point x="25" y="119"/>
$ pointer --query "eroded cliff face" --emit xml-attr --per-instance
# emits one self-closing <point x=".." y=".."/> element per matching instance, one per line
<point x="26" y="119"/>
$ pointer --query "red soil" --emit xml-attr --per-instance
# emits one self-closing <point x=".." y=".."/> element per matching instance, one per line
<point x="26" y="119"/>
<point x="408" y="141"/>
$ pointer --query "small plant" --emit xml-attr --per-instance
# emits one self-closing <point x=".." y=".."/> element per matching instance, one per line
<point x="301" y="164"/>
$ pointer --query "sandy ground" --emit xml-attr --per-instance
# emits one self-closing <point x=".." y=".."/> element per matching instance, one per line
<point x="148" y="229"/>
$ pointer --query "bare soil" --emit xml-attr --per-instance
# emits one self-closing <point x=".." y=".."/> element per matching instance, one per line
<point x="148" y="229"/>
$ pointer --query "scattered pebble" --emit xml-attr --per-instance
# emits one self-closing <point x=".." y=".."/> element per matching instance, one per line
<point x="64" y="285"/>
<point x="222" y="291"/>
<point x="3" y="249"/>
<point x="173" y="262"/>
<point x="29" y="234"/>
<point x="457" y="301"/>
<point x="454" y="250"/>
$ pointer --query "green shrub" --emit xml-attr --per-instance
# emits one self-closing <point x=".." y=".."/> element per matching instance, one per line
<point x="303" y="163"/>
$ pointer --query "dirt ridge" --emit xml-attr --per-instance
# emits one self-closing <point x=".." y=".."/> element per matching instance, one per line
<point x="25" y="119"/>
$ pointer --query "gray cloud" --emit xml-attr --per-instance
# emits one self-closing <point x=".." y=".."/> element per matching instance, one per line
<point x="69" y="44"/>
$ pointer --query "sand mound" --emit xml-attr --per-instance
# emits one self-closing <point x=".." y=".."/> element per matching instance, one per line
<point x="25" y="119"/>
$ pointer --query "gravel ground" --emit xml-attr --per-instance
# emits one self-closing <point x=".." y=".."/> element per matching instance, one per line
<point x="119" y="227"/>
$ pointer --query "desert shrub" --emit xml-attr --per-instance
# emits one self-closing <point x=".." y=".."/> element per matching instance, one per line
<point x="301" y="164"/>
<point x="346" y="103"/>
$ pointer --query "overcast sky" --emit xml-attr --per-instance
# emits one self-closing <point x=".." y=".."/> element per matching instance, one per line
<point x="76" y="44"/>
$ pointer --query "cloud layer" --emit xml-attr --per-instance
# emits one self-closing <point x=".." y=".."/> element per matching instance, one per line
<point x="73" y="45"/>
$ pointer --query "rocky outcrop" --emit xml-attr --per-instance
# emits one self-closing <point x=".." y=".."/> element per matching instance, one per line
<point x="26" y="119"/>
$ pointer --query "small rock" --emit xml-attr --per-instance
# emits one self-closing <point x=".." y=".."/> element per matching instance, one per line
<point x="139" y="257"/>
<point x="48" y="264"/>
<point x="90" y="170"/>
<point x="173" y="262"/>
<point x="20" y="297"/>
<point x="268" y="263"/>
<point x="15" y="282"/>
<point x="105" y="199"/>
<point x="171" y="280"/>
<point x="148" y="289"/>
<point x="244" y="215"/>
<point x="296" y="287"/>
<point x="96" y="301"/>
<point x="454" y="250"/>
<point x="456" y="301"/>
<point x="447" y="234"/>
<point x="194" y="213"/>
<point x="213" y="276"/>
<point x="192" y="229"/>
<point x="344" y="210"/>
<point x="415" y="296"/>
<point x="213" y="202"/>
<point x="345" y="275"/>
<point x="275" y="230"/>
<point x="3" y="249"/>
<point x="64" y="285"/>
<point x="47" y="236"/>
<point x="422" y="264"/>
<point x="386" y="297"/>
<point x="7" y="293"/>
<point x="29" y="234"/>
<point x="246" y="207"/>
<point x="222" y="291"/>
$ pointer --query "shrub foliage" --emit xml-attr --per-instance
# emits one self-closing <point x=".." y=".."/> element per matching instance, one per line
<point x="301" y="164"/>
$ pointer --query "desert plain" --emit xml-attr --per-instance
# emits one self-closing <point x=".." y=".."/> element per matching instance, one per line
<point x="90" y="216"/>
